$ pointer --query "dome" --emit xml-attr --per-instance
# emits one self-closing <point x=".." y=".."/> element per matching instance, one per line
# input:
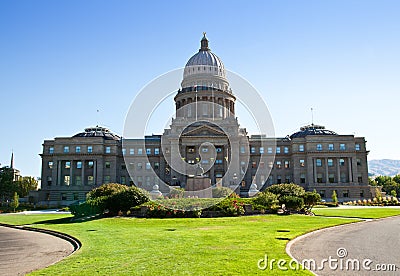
<point x="98" y="132"/>
<point x="312" y="130"/>
<point x="205" y="69"/>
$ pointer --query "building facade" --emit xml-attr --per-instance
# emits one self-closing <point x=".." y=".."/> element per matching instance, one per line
<point x="205" y="139"/>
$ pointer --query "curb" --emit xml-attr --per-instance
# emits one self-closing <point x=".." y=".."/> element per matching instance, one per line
<point x="290" y="243"/>
<point x="72" y="240"/>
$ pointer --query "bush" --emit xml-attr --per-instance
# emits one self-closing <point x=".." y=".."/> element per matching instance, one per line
<point x="286" y="190"/>
<point x="177" y="193"/>
<point x="265" y="201"/>
<point x="310" y="199"/>
<point x="124" y="200"/>
<point x="292" y="203"/>
<point x="220" y="192"/>
<point x="106" y="190"/>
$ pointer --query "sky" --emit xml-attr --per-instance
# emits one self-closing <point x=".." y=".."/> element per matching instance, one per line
<point x="61" y="61"/>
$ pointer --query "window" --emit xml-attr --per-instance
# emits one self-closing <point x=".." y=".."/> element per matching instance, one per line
<point x="67" y="180"/>
<point x="79" y="165"/>
<point x="319" y="147"/>
<point x="322" y="193"/>
<point x="140" y="151"/>
<point x="342" y="147"/>
<point x="157" y="151"/>
<point x="286" y="149"/>
<point x="49" y="180"/>
<point x="156" y="165"/>
<point x="90" y="164"/>
<point x="261" y="150"/>
<point x="191" y="161"/>
<point x="287" y="179"/>
<point x="190" y="149"/>
<point x="66" y="149"/>
<point x="254" y="165"/>
<point x="107" y="179"/>
<point x="131" y="151"/>
<point x="123" y="151"/>
<point x="148" y="166"/>
<point x="359" y="179"/>
<point x="89" y="149"/>
<point x="242" y="149"/>
<point x="331" y="178"/>
<point x="358" y="147"/>
<point x="343" y="177"/>
<point x="204" y="161"/>
<point x="108" y="149"/>
<point x="75" y="196"/>
<point x="362" y="193"/>
<point x="330" y="162"/>
<point x="278" y="164"/>
<point x="319" y="178"/>
<point x="68" y="165"/>
<point x="123" y="166"/>
<point x="148" y="151"/>
<point x="358" y="162"/>
<point x="139" y="165"/>
<point x="63" y="196"/>
<point x="131" y="166"/>
<point x="90" y="180"/>
<point x="50" y="164"/>
<point x="204" y="149"/>
<point x="269" y="150"/>
<point x="78" y="180"/>
<point x="287" y="164"/>
<point x="345" y="193"/>
<point x="253" y="150"/>
<point x="107" y="165"/>
<point x="278" y="150"/>
<point x="301" y="148"/>
<point x="302" y="178"/>
<point x="341" y="162"/>
<point x="331" y="147"/>
<point x="140" y="181"/>
<point x="302" y="163"/>
<point x="218" y="161"/>
<point x="261" y="166"/>
<point x="278" y="179"/>
<point x="77" y="149"/>
<point x="318" y="162"/>
<point x="123" y="180"/>
<point x="51" y="150"/>
<point x="218" y="149"/>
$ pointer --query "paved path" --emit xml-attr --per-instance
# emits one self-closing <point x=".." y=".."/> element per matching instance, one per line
<point x="23" y="251"/>
<point x="377" y="240"/>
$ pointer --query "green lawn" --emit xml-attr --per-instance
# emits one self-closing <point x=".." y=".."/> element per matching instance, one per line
<point x="215" y="246"/>
<point x="364" y="212"/>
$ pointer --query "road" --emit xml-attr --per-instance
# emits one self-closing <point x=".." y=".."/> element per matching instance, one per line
<point x="377" y="241"/>
<point x="23" y="251"/>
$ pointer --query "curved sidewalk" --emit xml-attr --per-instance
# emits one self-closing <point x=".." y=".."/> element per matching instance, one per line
<point x="374" y="245"/>
<point x="23" y="251"/>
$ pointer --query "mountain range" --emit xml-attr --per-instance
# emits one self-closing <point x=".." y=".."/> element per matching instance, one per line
<point x="384" y="167"/>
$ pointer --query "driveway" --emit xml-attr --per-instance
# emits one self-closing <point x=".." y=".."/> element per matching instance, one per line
<point x="374" y="245"/>
<point x="23" y="251"/>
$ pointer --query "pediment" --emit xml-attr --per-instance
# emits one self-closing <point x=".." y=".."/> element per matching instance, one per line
<point x="204" y="131"/>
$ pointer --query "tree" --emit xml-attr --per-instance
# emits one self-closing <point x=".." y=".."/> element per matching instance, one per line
<point x="7" y="187"/>
<point x="378" y="194"/>
<point x="334" y="197"/>
<point x="310" y="199"/>
<point x="393" y="193"/>
<point x="15" y="202"/>
<point x="25" y="185"/>
<point x="286" y="190"/>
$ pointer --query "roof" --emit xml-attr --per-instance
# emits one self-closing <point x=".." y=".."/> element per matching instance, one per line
<point x="98" y="131"/>
<point x="312" y="130"/>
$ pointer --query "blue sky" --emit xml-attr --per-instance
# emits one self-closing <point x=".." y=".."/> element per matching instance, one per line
<point x="60" y="61"/>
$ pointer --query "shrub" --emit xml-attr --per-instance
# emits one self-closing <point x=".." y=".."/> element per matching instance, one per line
<point x="220" y="192"/>
<point x="294" y="203"/>
<point x="106" y="190"/>
<point x="266" y="201"/>
<point x="286" y="190"/>
<point x="334" y="197"/>
<point x="177" y="193"/>
<point x="310" y="199"/>
<point x="124" y="200"/>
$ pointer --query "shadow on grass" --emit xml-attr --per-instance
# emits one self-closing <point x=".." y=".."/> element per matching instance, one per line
<point x="68" y="220"/>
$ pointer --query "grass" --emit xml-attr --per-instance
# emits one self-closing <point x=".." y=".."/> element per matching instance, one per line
<point x="217" y="246"/>
<point x="366" y="213"/>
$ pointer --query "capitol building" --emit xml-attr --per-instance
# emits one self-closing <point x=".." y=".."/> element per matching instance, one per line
<point x="205" y="140"/>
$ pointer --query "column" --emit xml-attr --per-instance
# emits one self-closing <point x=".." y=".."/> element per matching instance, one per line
<point x="59" y="172"/>
<point x="71" y="173"/>
<point x="83" y="173"/>
<point x="338" y="170"/>
<point x="95" y="172"/>
<point x="350" y="171"/>
<point x="326" y="171"/>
